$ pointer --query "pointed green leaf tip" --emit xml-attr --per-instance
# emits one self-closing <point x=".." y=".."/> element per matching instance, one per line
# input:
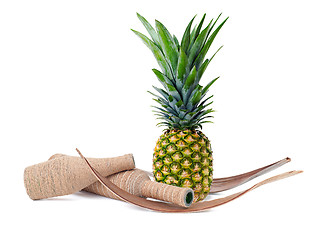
<point x="150" y="29"/>
<point x="182" y="66"/>
<point x="186" y="37"/>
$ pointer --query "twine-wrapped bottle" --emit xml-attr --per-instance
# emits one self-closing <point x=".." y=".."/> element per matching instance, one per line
<point x="138" y="183"/>
<point x="63" y="175"/>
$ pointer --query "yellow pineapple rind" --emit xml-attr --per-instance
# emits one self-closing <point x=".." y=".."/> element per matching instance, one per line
<point x="184" y="158"/>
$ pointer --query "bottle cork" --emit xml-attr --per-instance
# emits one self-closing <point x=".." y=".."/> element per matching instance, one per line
<point x="138" y="183"/>
<point x="63" y="174"/>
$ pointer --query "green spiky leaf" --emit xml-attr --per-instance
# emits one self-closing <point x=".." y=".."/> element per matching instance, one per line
<point x="182" y="69"/>
<point x="196" y="98"/>
<point x="196" y="32"/>
<point x="186" y="37"/>
<point x="206" y="88"/>
<point x="198" y="44"/>
<point x="205" y="64"/>
<point x="150" y="29"/>
<point x="187" y="87"/>
<point x="207" y="45"/>
<point x="159" y="97"/>
<point x="176" y="42"/>
<point x="162" y="78"/>
<point x="156" y="52"/>
<point x="167" y="45"/>
<point x="173" y="91"/>
<point x="162" y="92"/>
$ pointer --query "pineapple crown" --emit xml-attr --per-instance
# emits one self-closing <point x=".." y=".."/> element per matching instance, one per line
<point x="182" y="99"/>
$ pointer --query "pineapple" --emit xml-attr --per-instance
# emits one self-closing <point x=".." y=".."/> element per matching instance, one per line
<point x="183" y="155"/>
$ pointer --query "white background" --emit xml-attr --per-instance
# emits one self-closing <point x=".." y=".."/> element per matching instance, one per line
<point x="74" y="75"/>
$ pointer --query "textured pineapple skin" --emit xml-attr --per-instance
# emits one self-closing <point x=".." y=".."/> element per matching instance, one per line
<point x="184" y="158"/>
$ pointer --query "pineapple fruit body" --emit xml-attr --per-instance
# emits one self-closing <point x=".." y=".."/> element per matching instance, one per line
<point x="184" y="158"/>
